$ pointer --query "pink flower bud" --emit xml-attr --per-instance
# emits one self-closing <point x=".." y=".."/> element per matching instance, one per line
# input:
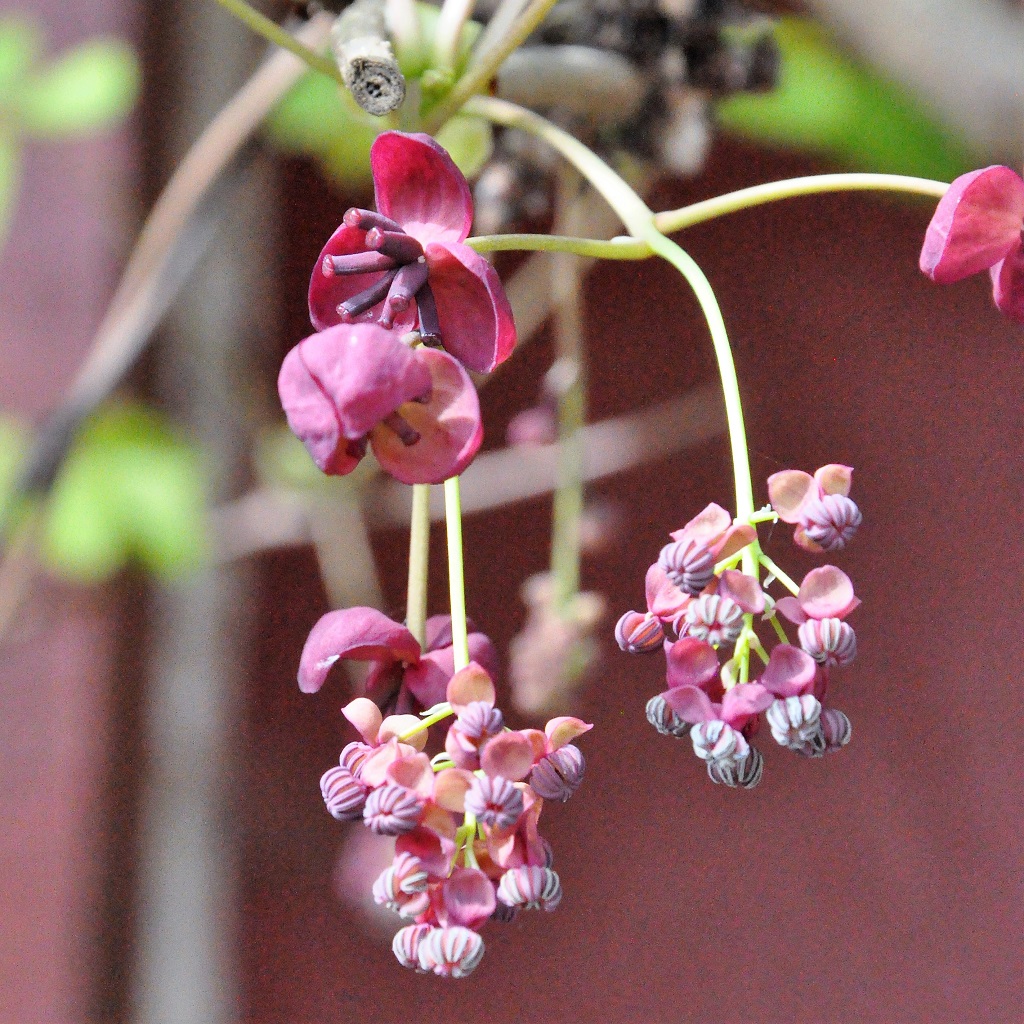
<point x="558" y="776"/>
<point x="402" y="887"/>
<point x="638" y="633"/>
<point x="391" y="810"/>
<point x="795" y="723"/>
<point x="830" y="521"/>
<point x="688" y="564"/>
<point x="664" y="719"/>
<point x="494" y="801"/>
<point x="406" y="944"/>
<point x="714" y="619"/>
<point x="530" y="887"/>
<point x="343" y="794"/>
<point x="451" y="952"/>
<point x="353" y="756"/>
<point x="745" y="773"/>
<point x="830" y="642"/>
<point x="836" y="728"/>
<point x="715" y="740"/>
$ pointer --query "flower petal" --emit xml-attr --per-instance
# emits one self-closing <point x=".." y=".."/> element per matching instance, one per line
<point x="509" y="754"/>
<point x="470" y="684"/>
<point x="1008" y="285"/>
<point x="467" y="898"/>
<point x="834" y="479"/>
<point x="365" y="716"/>
<point x="417" y="184"/>
<point x="450" y="788"/>
<point x="708" y="524"/>
<point x="665" y="601"/>
<point x="742" y="702"/>
<point x="473" y="310"/>
<point x="977" y="222"/>
<point x="328" y="290"/>
<point x="449" y="426"/>
<point x="742" y="589"/>
<point x="413" y="773"/>
<point x="788" y="490"/>
<point x="826" y="593"/>
<point x="690" y="704"/>
<point x="394" y="725"/>
<point x="790" y="672"/>
<point x="564" y="729"/>
<point x="429" y="848"/>
<point x="364" y="634"/>
<point x="690" y="662"/>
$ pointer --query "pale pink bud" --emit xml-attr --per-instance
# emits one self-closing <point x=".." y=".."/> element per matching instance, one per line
<point x="494" y="801"/>
<point x="714" y="619"/>
<point x="402" y="886"/>
<point x="406" y="943"/>
<point x="664" y="719"/>
<point x="718" y="741"/>
<point x="343" y="794"/>
<point x="836" y="728"/>
<point x="451" y="952"/>
<point x="392" y="810"/>
<point x="829" y="642"/>
<point x="353" y="756"/>
<point x="530" y="887"/>
<point x="638" y="633"/>
<point x="688" y="564"/>
<point x="795" y="723"/>
<point x="830" y="521"/>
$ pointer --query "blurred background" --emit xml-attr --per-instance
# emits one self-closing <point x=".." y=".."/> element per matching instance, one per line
<point x="167" y="856"/>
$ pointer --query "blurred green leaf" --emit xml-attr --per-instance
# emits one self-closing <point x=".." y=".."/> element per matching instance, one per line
<point x="93" y="86"/>
<point x="21" y="40"/>
<point x="10" y="179"/>
<point x="130" y="489"/>
<point x="469" y="140"/>
<point x="828" y="104"/>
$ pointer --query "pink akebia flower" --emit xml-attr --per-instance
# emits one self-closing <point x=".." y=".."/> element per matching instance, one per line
<point x="400" y="676"/>
<point x="358" y="384"/>
<point x="739" y="705"/>
<point x="977" y="226"/>
<point x="825" y="593"/>
<point x="409" y="256"/>
<point x="711" y="536"/>
<point x="826" y="516"/>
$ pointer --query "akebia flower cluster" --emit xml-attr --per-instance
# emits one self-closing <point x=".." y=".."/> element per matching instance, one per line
<point x="701" y="606"/>
<point x="388" y="284"/>
<point x="465" y="822"/>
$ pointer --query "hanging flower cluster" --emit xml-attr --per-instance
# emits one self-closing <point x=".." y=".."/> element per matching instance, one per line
<point x="387" y="285"/>
<point x="465" y="822"/>
<point x="697" y="596"/>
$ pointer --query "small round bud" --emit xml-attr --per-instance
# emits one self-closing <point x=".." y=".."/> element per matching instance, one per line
<point x="354" y="755"/>
<point x="451" y="952"/>
<point x="402" y="886"/>
<point x="713" y="619"/>
<point x="836" y="728"/>
<point x="343" y="794"/>
<point x="392" y="810"/>
<point x="664" y="719"/>
<point x="494" y="801"/>
<point x="405" y="945"/>
<point x="558" y="776"/>
<point x="530" y="887"/>
<point x="637" y="633"/>
<point x="831" y="521"/>
<point x="745" y="773"/>
<point x="830" y="642"/>
<point x="796" y="723"/>
<point x="717" y="741"/>
<point x="478" y="720"/>
<point x="688" y="564"/>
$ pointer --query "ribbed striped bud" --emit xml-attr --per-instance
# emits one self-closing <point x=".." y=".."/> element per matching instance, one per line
<point x="830" y="642"/>
<point x="403" y="886"/>
<point x="688" y="564"/>
<point x="746" y="773"/>
<point x="478" y="720"/>
<point x="343" y="794"/>
<point x="713" y="619"/>
<point x="664" y="719"/>
<point x="637" y="633"/>
<point x="796" y="723"/>
<point x="530" y="887"/>
<point x="718" y="741"/>
<point x="451" y="952"/>
<point x="353" y="756"/>
<point x="392" y="810"/>
<point x="406" y="943"/>
<point x="831" y="521"/>
<point x="494" y="801"/>
<point x="558" y="776"/>
<point x="836" y="728"/>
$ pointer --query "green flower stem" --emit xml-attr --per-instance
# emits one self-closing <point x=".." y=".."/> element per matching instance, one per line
<point x="745" y="198"/>
<point x="443" y="711"/>
<point x="273" y="33"/>
<point x="621" y="248"/>
<point x="756" y="645"/>
<point x="765" y="515"/>
<point x="450" y="23"/>
<point x="466" y="836"/>
<point x="780" y="631"/>
<point x="419" y="564"/>
<point x="485" y="63"/>
<point x="456" y="576"/>
<point x="772" y="568"/>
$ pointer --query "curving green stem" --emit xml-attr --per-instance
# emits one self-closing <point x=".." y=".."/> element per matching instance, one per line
<point x="778" y="573"/>
<point x="273" y="33"/>
<point x="621" y="248"/>
<point x="419" y="564"/>
<point x="456" y="574"/>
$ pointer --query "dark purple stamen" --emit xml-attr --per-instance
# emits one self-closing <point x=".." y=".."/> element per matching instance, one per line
<point x="406" y="434"/>
<point x="408" y="281"/>
<point x="430" y="325"/>
<point x="356" y="263"/>
<point x="398" y="245"/>
<point x="362" y="301"/>
<point x="367" y="219"/>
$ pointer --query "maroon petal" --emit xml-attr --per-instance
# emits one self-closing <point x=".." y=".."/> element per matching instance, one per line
<point x="742" y="702"/>
<point x="977" y="222"/>
<point x="364" y="634"/>
<point x="449" y="426"/>
<point x="474" y="312"/>
<point x="790" y="672"/>
<point x="744" y="590"/>
<point x="665" y="601"/>
<point x="690" y="662"/>
<point x="1008" y="285"/>
<point x="690" y="704"/>
<point x="326" y="291"/>
<point x="417" y="184"/>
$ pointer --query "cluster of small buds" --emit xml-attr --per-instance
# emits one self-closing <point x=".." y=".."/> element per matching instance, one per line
<point x="467" y="845"/>
<point x="699" y="603"/>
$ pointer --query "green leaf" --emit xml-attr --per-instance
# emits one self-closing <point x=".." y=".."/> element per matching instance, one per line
<point x="130" y="490"/>
<point x="92" y="87"/>
<point x="826" y="103"/>
<point x="10" y="180"/>
<point x="21" y="41"/>
<point x="469" y="140"/>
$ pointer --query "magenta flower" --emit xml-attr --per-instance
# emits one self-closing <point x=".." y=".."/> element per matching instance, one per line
<point x="360" y="383"/>
<point x="711" y="536"/>
<point x="826" y="516"/>
<point x="409" y="257"/>
<point x="401" y="675"/>
<point x="977" y="226"/>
